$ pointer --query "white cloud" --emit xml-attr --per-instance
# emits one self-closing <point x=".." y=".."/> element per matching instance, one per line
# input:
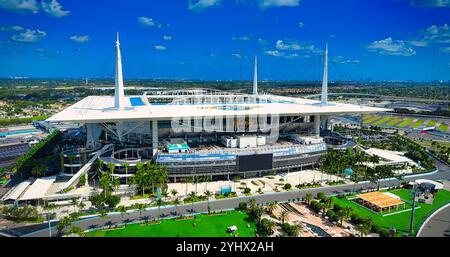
<point x="261" y="41"/>
<point x="236" y="55"/>
<point x="445" y="50"/>
<point x="11" y="28"/>
<point x="242" y="38"/>
<point x="293" y="46"/>
<point x="342" y="60"/>
<point x="301" y="25"/>
<point x="80" y="39"/>
<point x="264" y="4"/>
<point x="275" y="53"/>
<point x="418" y="43"/>
<point x="389" y="46"/>
<point x="22" y="6"/>
<point x="201" y="5"/>
<point x="54" y="9"/>
<point x="436" y="34"/>
<point x="430" y="3"/>
<point x="160" y="48"/>
<point x="167" y="38"/>
<point x="148" y="22"/>
<point x="29" y="36"/>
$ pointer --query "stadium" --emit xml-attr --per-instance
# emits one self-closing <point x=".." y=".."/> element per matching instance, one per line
<point x="200" y="132"/>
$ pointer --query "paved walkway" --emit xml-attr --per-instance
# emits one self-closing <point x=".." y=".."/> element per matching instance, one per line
<point x="438" y="225"/>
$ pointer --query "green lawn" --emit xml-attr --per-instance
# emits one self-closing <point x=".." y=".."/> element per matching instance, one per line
<point x="372" y="119"/>
<point x="405" y="122"/>
<point x="394" y="121"/>
<point x="418" y="123"/>
<point x="213" y="225"/>
<point x="443" y="127"/>
<point x="431" y="123"/>
<point x="383" y="120"/>
<point x="400" y="220"/>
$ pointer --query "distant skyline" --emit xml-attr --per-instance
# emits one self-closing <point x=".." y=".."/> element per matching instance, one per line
<point x="202" y="39"/>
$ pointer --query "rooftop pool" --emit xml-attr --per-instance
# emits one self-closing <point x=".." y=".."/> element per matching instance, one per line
<point x="136" y="101"/>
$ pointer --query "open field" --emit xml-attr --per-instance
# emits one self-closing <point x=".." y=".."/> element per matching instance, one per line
<point x="405" y="122"/>
<point x="214" y="225"/>
<point x="383" y="120"/>
<point x="402" y="122"/>
<point x="400" y="220"/>
<point x="418" y="123"/>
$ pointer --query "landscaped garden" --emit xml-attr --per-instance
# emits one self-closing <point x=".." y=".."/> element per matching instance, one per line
<point x="401" y="220"/>
<point x="203" y="225"/>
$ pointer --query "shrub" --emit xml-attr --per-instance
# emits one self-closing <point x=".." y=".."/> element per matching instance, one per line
<point x="20" y="214"/>
<point x="247" y="190"/>
<point x="242" y="206"/>
<point x="112" y="201"/>
<point x="287" y="186"/>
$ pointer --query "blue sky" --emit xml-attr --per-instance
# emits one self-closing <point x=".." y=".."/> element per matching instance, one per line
<point x="383" y="39"/>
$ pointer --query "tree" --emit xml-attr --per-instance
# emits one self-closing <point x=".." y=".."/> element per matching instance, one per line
<point x="208" y="194"/>
<point x="63" y="224"/>
<point x="174" y="192"/>
<point x="74" y="203"/>
<point x="75" y="230"/>
<point x="192" y="195"/>
<point x="207" y="179"/>
<point x="296" y="230"/>
<point x="364" y="229"/>
<point x="127" y="167"/>
<point x="271" y="207"/>
<point x="176" y="202"/>
<point x="308" y="198"/>
<point x="159" y="202"/>
<point x="39" y="170"/>
<point x="140" y="207"/>
<point x="123" y="210"/>
<point x="251" y="203"/>
<point x="283" y="216"/>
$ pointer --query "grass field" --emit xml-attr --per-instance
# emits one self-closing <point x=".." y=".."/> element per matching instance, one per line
<point x="405" y="122"/>
<point x="383" y="120"/>
<point x="418" y="123"/>
<point x="214" y="225"/>
<point x="372" y="119"/>
<point x="394" y="121"/>
<point x="400" y="220"/>
<point x="431" y="123"/>
<point x="443" y="127"/>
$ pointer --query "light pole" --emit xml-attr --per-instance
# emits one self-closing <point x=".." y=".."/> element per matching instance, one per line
<point x="49" y="225"/>
<point x="411" y="225"/>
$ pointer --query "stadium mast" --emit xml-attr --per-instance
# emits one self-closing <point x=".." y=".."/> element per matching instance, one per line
<point x="255" y="77"/>
<point x="119" y="95"/>
<point x="324" y="98"/>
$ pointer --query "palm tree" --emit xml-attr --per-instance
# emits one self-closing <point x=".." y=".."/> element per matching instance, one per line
<point x="74" y="203"/>
<point x="364" y="229"/>
<point x="208" y="194"/>
<point x="122" y="209"/>
<point x="126" y="166"/>
<point x="251" y="203"/>
<point x="207" y="179"/>
<point x="176" y="202"/>
<point x="296" y="230"/>
<point x="271" y="207"/>
<point x="174" y="192"/>
<point x="308" y="198"/>
<point x="187" y="181"/>
<point x="159" y="202"/>
<point x="283" y="216"/>
<point x="192" y="195"/>
<point x="196" y="180"/>
<point x="269" y="226"/>
<point x="140" y="207"/>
